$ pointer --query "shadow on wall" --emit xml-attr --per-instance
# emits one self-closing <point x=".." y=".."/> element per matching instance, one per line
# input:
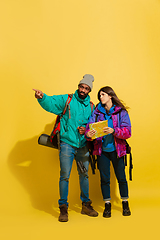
<point x="37" y="169"/>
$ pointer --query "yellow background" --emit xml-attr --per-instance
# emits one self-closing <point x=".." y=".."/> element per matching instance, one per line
<point x="50" y="45"/>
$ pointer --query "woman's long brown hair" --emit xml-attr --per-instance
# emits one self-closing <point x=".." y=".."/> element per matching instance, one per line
<point x="115" y="99"/>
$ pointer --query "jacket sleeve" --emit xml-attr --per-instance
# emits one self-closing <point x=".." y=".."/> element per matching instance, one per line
<point x="91" y="120"/>
<point x="54" y="104"/>
<point x="123" y="131"/>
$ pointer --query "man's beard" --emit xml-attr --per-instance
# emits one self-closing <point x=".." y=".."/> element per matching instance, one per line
<point x="82" y="95"/>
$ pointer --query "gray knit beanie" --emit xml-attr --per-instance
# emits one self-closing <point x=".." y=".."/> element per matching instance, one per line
<point x="87" y="79"/>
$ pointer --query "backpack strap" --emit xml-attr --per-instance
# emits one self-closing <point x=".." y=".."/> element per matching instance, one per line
<point x="130" y="167"/>
<point x="96" y="117"/>
<point x="67" y="105"/>
<point x="92" y="105"/>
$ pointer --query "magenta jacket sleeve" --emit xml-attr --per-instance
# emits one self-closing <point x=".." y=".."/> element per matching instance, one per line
<point x="91" y="120"/>
<point x="122" y="125"/>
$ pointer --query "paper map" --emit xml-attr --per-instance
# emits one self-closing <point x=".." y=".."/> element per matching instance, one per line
<point x="98" y="126"/>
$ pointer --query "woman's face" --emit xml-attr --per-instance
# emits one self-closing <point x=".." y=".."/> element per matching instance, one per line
<point x="105" y="98"/>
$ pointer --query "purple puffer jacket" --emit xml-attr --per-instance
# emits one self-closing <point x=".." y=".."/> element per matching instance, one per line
<point x="121" y="125"/>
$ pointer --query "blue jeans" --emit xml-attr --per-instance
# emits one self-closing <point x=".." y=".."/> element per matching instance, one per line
<point x="119" y="169"/>
<point x="67" y="155"/>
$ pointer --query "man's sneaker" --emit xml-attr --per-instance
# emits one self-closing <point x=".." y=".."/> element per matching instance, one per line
<point x="63" y="217"/>
<point x="88" y="209"/>
<point x="107" y="210"/>
<point x="126" y="210"/>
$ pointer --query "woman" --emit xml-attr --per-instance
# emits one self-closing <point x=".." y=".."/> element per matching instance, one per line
<point x="112" y="146"/>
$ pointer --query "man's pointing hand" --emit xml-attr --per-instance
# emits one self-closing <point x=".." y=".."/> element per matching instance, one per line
<point x="38" y="93"/>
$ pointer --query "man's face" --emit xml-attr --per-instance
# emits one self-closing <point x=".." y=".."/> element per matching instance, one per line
<point x="83" y="91"/>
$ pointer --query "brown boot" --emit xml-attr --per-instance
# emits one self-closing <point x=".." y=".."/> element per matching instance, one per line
<point x="63" y="217"/>
<point x="88" y="209"/>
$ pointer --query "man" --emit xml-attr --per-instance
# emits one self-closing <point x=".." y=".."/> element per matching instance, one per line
<point x="72" y="141"/>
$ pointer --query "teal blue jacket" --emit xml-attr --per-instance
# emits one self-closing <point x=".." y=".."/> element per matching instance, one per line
<point x="80" y="111"/>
